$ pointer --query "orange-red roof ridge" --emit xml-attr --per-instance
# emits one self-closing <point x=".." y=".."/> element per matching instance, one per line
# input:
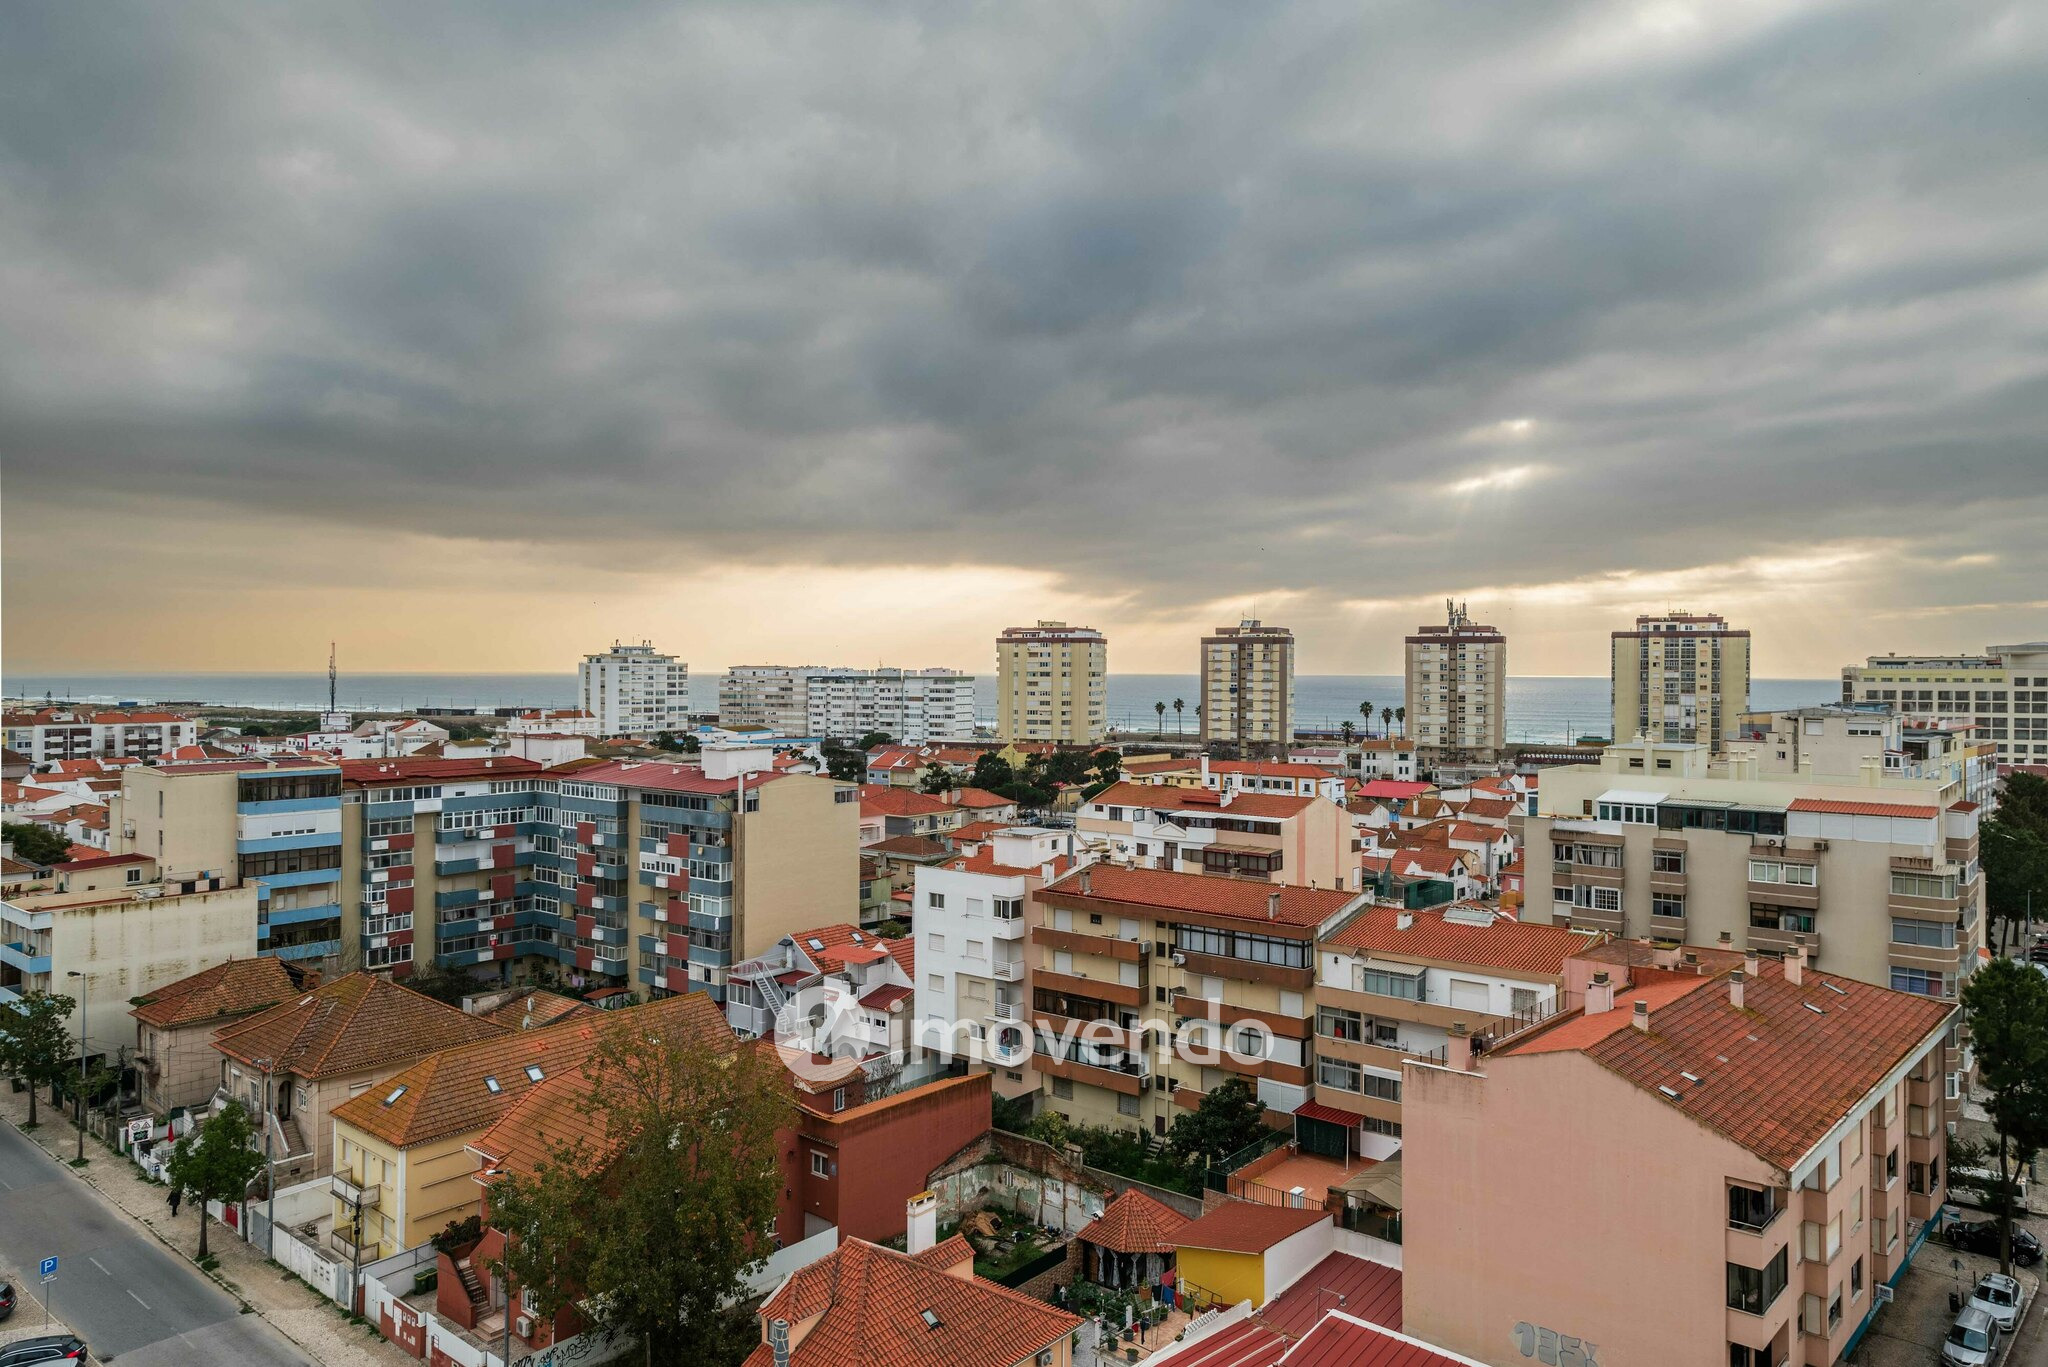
<point x="1213" y="894"/>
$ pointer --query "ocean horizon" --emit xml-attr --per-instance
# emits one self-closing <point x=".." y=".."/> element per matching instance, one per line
<point x="1541" y="707"/>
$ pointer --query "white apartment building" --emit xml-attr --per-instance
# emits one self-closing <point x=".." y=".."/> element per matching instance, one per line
<point x="1680" y="677"/>
<point x="633" y="690"/>
<point x="912" y="706"/>
<point x="1052" y="684"/>
<point x="2003" y="691"/>
<point x="1248" y="685"/>
<point x="46" y="734"/>
<point x="774" y="696"/>
<point x="1876" y="875"/>
<point x="973" y="962"/>
<point x="569" y="721"/>
<point x="1456" y="689"/>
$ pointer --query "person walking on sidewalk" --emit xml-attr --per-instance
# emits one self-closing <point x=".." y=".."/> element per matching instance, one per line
<point x="176" y="1196"/>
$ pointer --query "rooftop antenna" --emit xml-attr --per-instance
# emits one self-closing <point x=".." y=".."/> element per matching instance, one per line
<point x="330" y="678"/>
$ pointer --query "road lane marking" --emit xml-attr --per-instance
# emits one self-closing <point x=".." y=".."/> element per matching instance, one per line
<point x="97" y="1263"/>
<point x="138" y="1300"/>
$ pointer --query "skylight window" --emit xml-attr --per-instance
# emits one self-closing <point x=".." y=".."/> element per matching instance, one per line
<point x="396" y="1092"/>
<point x="1668" y="1092"/>
<point x="931" y="1319"/>
<point x="491" y="1085"/>
<point x="1815" y="1009"/>
<point x="1838" y="990"/>
<point x="815" y="943"/>
<point x="533" y="1072"/>
<point x="1690" y="1077"/>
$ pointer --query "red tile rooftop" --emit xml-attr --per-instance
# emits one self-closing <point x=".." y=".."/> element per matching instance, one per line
<point x="1504" y="944"/>
<point x="1273" y="806"/>
<point x="1246" y="1227"/>
<point x="1828" y="806"/>
<point x="1365" y="1290"/>
<point x="1134" y="1223"/>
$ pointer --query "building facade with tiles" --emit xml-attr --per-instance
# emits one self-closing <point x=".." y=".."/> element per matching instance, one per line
<point x="1248" y="685"/>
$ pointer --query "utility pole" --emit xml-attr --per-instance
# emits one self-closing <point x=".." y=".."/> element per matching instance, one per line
<point x="75" y="973"/>
<point x="269" y="1161"/>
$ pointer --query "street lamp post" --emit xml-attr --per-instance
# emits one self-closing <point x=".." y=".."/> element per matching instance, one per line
<point x="75" y="973"/>
<point x="269" y="1162"/>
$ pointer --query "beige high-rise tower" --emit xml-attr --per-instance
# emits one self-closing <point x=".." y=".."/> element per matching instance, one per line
<point x="1052" y="684"/>
<point x="1680" y="677"/>
<point x="1248" y="684"/>
<point x="1456" y="690"/>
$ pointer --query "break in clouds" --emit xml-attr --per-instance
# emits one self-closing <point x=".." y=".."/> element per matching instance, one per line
<point x="1355" y="303"/>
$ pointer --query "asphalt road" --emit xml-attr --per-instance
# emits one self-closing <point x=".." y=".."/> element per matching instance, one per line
<point x="120" y="1290"/>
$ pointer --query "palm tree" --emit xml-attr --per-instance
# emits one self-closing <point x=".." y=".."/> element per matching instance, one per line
<point x="1177" y="706"/>
<point x="1160" y="708"/>
<point x="1349" y="729"/>
<point x="1386" y="721"/>
<point x="1365" y="710"/>
<point x="1401" y="716"/>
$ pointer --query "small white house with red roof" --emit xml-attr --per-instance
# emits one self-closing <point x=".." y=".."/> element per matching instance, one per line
<point x="835" y="991"/>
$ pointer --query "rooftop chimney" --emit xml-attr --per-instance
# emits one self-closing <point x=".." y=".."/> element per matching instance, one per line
<point x="1458" y="1048"/>
<point x="1727" y="941"/>
<point x="1735" y="981"/>
<point x="1087" y="883"/>
<point x="921" y="1217"/>
<point x="1642" y="1020"/>
<point x="1795" y="961"/>
<point x="1664" y="956"/>
<point x="1600" y="994"/>
<point x="1404" y="919"/>
<point x="1272" y="906"/>
<point x="1692" y="960"/>
<point x="1750" y="964"/>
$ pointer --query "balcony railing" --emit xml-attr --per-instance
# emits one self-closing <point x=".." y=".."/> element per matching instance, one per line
<point x="1008" y="971"/>
<point x="354" y="1194"/>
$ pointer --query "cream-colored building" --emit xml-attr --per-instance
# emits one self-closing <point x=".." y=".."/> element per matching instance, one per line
<point x="127" y="935"/>
<point x="175" y="1025"/>
<point x="1115" y="948"/>
<point x="2004" y="692"/>
<point x="1877" y="874"/>
<point x="1456" y="690"/>
<point x="774" y="696"/>
<point x="1283" y="837"/>
<point x="1248" y="685"/>
<point x="1680" y="677"/>
<point x="1052" y="684"/>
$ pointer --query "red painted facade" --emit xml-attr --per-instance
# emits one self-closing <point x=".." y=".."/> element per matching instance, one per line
<point x="876" y="1155"/>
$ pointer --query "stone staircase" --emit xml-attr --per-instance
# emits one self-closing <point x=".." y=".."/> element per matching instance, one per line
<point x="471" y="1286"/>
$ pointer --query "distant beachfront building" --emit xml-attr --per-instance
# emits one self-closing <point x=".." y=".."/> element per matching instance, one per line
<point x="1456" y="689"/>
<point x="633" y="690"/>
<point x="1248" y="684"/>
<point x="1052" y="684"/>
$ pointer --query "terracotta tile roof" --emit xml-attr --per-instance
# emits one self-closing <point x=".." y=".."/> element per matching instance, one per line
<point x="1371" y="1292"/>
<point x="978" y="797"/>
<point x="909" y="847"/>
<point x="1790" y="1073"/>
<point x="1393" y="788"/>
<point x="879" y="800"/>
<point x="886" y="997"/>
<point x="535" y="1008"/>
<point x="1212" y="894"/>
<point x="556" y="1110"/>
<point x="904" y="952"/>
<point x="1505" y="944"/>
<point x="1135" y="1223"/>
<point x="1244" y="1344"/>
<point x="839" y="944"/>
<point x="977" y="830"/>
<point x="947" y="1253"/>
<point x="381" y="773"/>
<point x="1246" y="1227"/>
<point x="1832" y="808"/>
<point x="1440" y="861"/>
<point x="1453" y="829"/>
<point x="872" y="1304"/>
<point x="234" y="988"/>
<point x="351" y="1025"/>
<point x="1489" y="807"/>
<point x="984" y="861"/>
<point x="100" y="859"/>
<point x="1272" y="806"/>
<point x="1162" y="766"/>
<point x="448" y="1093"/>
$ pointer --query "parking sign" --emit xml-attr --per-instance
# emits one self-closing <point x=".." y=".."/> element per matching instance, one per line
<point x="49" y="1268"/>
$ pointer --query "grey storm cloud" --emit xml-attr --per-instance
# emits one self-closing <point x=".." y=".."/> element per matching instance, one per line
<point x="1140" y="292"/>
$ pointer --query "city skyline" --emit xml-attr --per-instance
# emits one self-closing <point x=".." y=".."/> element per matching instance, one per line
<point x="721" y="325"/>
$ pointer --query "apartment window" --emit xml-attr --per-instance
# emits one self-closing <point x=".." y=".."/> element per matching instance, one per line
<point x="838" y="1098"/>
<point x="1835" y="1310"/>
<point x="936" y="943"/>
<point x="1063" y="1089"/>
<point x="1752" y="1208"/>
<point x="1921" y="981"/>
<point x="1008" y="908"/>
<point x="1923" y="885"/>
<point x="1790" y="875"/>
<point x="1754" y="1290"/>
<point x="1339" y="1073"/>
<point x="1741" y="1355"/>
<point x="1934" y="934"/>
<point x="1916" y="1178"/>
<point x="1891" y="1166"/>
<point x="1667" y="861"/>
<point x="821" y="1166"/>
<point x="1338" y="1024"/>
<point x="1856" y="1280"/>
<point x="1384" y="983"/>
<point x="1665" y="904"/>
<point x="935" y="899"/>
<point x="1126" y="1105"/>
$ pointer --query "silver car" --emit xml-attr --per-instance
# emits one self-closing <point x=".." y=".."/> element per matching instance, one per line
<point x="2000" y="1297"/>
<point x="1972" y="1340"/>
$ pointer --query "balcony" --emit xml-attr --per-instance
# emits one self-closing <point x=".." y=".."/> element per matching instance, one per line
<point x="1007" y="970"/>
<point x="355" y="1253"/>
<point x="1779" y="941"/>
<point x="1127" y="1078"/>
<point x="1081" y="942"/>
<point x="353" y="1194"/>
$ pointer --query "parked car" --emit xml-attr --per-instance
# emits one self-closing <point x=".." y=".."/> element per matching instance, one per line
<point x="2000" y="1297"/>
<point x="58" y="1350"/>
<point x="6" y="1299"/>
<point x="1981" y="1236"/>
<point x="1972" y="1340"/>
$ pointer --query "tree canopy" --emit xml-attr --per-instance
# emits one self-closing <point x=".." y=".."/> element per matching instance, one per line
<point x="2007" y="1001"/>
<point x="217" y="1162"/>
<point x="872" y="739"/>
<point x="1226" y="1121"/>
<point x="34" y="1045"/>
<point x="2013" y="845"/>
<point x="650" y="1229"/>
<point x="936" y="779"/>
<point x="35" y="844"/>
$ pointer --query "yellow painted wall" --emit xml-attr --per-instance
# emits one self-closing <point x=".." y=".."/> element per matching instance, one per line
<point x="1232" y="1276"/>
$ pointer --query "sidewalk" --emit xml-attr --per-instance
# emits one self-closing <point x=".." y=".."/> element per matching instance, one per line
<point x="311" y="1321"/>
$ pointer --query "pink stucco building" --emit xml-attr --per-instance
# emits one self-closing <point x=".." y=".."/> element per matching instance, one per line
<point x="1712" y="1163"/>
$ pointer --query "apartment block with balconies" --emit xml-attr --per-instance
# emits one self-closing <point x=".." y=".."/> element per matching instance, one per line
<point x="1268" y="836"/>
<point x="1142" y="977"/>
<point x="1755" y="1150"/>
<point x="1455" y="690"/>
<point x="1878" y="880"/>
<point x="1248" y="686"/>
<point x="1052" y="684"/>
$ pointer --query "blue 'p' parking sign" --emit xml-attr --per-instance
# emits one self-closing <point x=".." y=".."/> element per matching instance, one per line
<point x="49" y="1267"/>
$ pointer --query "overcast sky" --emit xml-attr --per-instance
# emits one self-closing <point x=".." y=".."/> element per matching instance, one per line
<point x="479" y="335"/>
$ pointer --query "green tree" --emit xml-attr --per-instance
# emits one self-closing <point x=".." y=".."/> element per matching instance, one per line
<point x="34" y="1045"/>
<point x="992" y="771"/>
<point x="2015" y="873"/>
<point x="848" y="766"/>
<point x="1178" y="706"/>
<point x="1401" y="716"/>
<point x="35" y="844"/>
<point x="1386" y="721"/>
<point x="1226" y="1121"/>
<point x="872" y="739"/>
<point x="936" y="778"/>
<point x="892" y="929"/>
<point x="217" y="1163"/>
<point x="666" y="741"/>
<point x="1348" y="730"/>
<point x="1365" y="710"/>
<point x="1160" y="708"/>
<point x="690" y="745"/>
<point x="651" y="1227"/>
<point x="2007" y="1002"/>
<point x="1050" y="1127"/>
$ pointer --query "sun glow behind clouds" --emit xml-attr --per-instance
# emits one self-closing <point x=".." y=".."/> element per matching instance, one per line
<point x="1497" y="481"/>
